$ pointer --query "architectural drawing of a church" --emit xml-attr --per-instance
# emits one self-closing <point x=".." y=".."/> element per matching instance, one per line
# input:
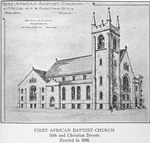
<point x="102" y="80"/>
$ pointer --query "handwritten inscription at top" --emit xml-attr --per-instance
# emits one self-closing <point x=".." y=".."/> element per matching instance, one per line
<point x="42" y="3"/>
<point x="22" y="7"/>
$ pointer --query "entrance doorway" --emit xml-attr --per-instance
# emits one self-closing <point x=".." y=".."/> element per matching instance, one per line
<point x="52" y="102"/>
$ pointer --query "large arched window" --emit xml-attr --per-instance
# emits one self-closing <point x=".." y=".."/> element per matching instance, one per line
<point x="88" y="93"/>
<point x="114" y="43"/>
<point x="63" y="93"/>
<point x="78" y="93"/>
<point x="73" y="93"/>
<point x="52" y="101"/>
<point x="101" y="42"/>
<point x="126" y="83"/>
<point x="32" y="93"/>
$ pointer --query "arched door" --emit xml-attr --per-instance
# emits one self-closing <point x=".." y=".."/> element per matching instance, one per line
<point x="52" y="102"/>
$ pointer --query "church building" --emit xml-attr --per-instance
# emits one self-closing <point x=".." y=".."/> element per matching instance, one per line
<point x="102" y="80"/>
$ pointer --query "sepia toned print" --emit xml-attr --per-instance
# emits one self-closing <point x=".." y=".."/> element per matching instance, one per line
<point x="89" y="69"/>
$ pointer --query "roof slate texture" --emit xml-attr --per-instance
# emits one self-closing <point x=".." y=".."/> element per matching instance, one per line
<point x="41" y="73"/>
<point x="71" y="66"/>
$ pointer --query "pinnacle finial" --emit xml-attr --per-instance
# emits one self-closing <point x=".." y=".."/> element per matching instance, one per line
<point x="102" y="22"/>
<point x="33" y="67"/>
<point x="93" y="19"/>
<point x="109" y="15"/>
<point x="117" y="24"/>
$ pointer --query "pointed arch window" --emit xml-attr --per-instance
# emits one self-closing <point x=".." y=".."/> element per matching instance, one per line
<point x="114" y="43"/>
<point x="78" y="93"/>
<point x="63" y="93"/>
<point x="126" y="84"/>
<point x="88" y="93"/>
<point x="101" y="42"/>
<point x="73" y="93"/>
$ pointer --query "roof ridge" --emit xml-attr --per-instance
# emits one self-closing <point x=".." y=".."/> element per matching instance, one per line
<point x="75" y="58"/>
<point x="39" y="70"/>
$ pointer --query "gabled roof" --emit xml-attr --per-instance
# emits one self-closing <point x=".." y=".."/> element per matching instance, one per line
<point x="38" y="72"/>
<point x="122" y="53"/>
<point x="75" y="65"/>
<point x="41" y="73"/>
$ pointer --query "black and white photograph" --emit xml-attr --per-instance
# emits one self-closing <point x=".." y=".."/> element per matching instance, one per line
<point x="75" y="61"/>
<point x="75" y="71"/>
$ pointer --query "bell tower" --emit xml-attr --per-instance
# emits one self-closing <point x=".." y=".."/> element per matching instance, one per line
<point x="105" y="63"/>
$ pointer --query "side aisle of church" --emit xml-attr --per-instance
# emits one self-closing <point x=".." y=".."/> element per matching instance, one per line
<point x="102" y="80"/>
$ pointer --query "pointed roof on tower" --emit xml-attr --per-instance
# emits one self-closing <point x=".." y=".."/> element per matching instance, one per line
<point x="117" y="24"/>
<point x="109" y="15"/>
<point x="93" y="19"/>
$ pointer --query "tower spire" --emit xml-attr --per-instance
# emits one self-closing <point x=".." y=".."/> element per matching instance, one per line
<point x="109" y="15"/>
<point x="93" y="20"/>
<point x="117" y="24"/>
